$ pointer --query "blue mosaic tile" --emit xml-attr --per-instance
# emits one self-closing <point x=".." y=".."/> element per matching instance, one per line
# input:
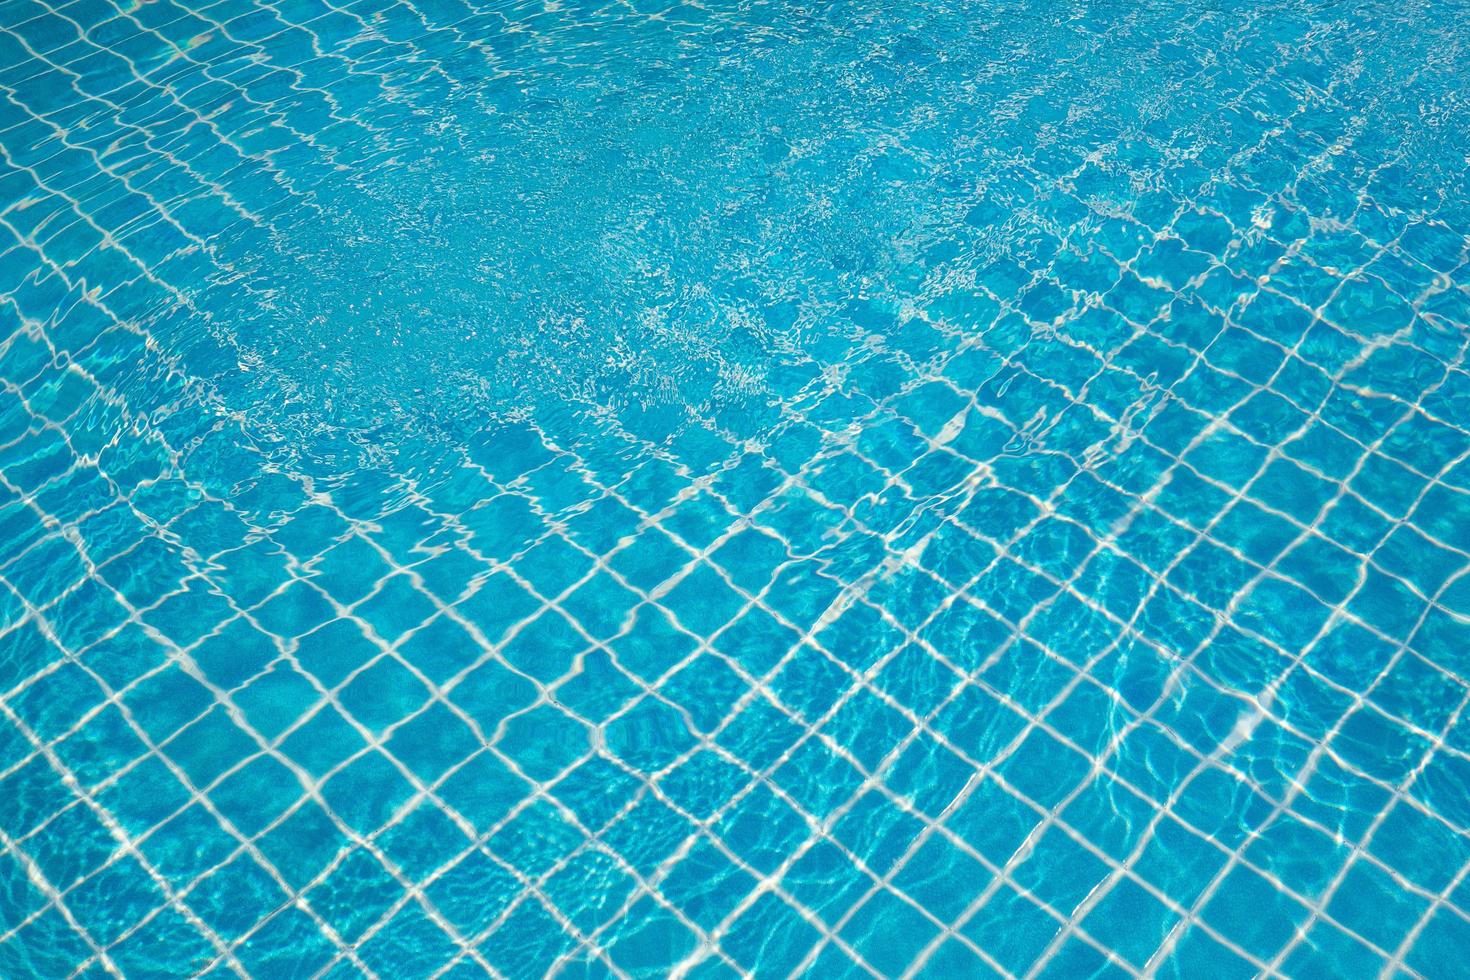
<point x="642" y="490"/>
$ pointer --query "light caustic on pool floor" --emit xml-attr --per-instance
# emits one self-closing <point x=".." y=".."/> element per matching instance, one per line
<point x="756" y="489"/>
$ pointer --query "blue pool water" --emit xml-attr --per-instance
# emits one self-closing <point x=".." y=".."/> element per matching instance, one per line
<point x="715" y="489"/>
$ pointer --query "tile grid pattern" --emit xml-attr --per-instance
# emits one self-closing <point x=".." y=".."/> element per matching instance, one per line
<point x="774" y="520"/>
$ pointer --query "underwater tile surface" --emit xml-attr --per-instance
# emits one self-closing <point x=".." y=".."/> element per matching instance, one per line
<point x="720" y="489"/>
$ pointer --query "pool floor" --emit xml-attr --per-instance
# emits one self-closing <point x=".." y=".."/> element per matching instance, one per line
<point x="759" y="489"/>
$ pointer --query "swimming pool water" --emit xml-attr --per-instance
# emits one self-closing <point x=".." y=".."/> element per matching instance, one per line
<point x="757" y="488"/>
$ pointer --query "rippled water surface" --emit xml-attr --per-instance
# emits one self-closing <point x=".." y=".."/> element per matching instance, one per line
<point x="760" y="488"/>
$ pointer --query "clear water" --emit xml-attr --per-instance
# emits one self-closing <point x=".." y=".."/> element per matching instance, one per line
<point x="854" y="488"/>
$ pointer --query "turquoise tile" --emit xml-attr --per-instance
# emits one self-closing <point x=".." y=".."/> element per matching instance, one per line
<point x="601" y="489"/>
